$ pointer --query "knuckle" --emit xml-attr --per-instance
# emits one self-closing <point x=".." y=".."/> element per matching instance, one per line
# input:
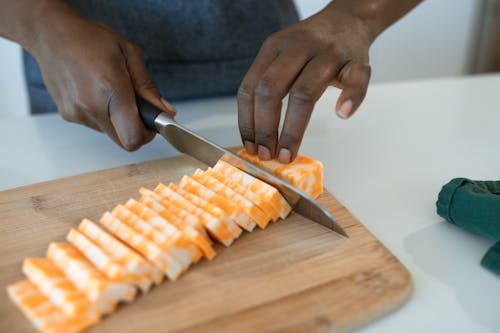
<point x="245" y="92"/>
<point x="246" y="131"/>
<point x="289" y="139"/>
<point x="105" y="87"/>
<point x="266" y="89"/>
<point x="132" y="141"/>
<point x="303" y="94"/>
<point x="356" y="74"/>
<point x="362" y="72"/>
<point x="148" y="84"/>
<point x="80" y="108"/>
<point x="74" y="111"/>
<point x="271" y="41"/>
<point x="299" y="35"/>
<point x="263" y="136"/>
<point x="67" y="116"/>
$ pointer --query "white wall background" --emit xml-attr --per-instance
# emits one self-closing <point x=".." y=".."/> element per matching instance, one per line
<point x="434" y="40"/>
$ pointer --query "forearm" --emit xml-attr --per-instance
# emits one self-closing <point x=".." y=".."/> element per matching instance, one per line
<point x="376" y="14"/>
<point x="20" y="19"/>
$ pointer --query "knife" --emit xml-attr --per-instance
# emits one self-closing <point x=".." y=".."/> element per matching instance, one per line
<point x="190" y="143"/>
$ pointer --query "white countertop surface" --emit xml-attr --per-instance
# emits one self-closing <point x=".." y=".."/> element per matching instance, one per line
<point x="387" y="165"/>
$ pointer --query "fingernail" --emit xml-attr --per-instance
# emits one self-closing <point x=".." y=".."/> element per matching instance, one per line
<point x="169" y="106"/>
<point x="250" y="147"/>
<point x="345" y="109"/>
<point x="285" y="156"/>
<point x="264" y="153"/>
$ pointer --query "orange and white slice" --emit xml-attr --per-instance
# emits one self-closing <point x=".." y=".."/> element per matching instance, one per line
<point x="217" y="186"/>
<point x="97" y="256"/>
<point x="105" y="294"/>
<point x="213" y="225"/>
<point x="305" y="173"/>
<point x="61" y="292"/>
<point x="267" y="192"/>
<point x="140" y="271"/>
<point x="209" y="208"/>
<point x="161" y="218"/>
<point x="238" y="215"/>
<point x="162" y="207"/>
<point x="43" y="315"/>
<point x="265" y="207"/>
<point x="169" y="239"/>
<point x="143" y="245"/>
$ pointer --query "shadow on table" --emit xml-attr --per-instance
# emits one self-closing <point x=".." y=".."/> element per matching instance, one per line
<point x="466" y="277"/>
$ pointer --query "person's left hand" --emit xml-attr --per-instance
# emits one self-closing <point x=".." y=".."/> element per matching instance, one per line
<point x="329" y="48"/>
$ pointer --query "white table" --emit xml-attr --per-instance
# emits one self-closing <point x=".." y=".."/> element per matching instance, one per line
<point x="386" y="165"/>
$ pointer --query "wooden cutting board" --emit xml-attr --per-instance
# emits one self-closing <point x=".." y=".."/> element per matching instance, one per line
<point x="294" y="276"/>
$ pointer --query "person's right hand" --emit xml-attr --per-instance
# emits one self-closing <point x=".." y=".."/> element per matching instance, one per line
<point x="93" y="74"/>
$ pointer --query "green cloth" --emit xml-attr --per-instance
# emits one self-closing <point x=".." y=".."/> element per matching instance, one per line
<point x="491" y="259"/>
<point x="474" y="206"/>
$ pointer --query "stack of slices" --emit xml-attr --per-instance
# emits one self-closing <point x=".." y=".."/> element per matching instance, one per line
<point x="139" y="242"/>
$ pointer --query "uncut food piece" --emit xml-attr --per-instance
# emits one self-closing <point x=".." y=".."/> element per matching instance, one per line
<point x="171" y="240"/>
<point x="140" y="271"/>
<point x="209" y="208"/>
<point x="304" y="173"/>
<point x="266" y="208"/>
<point x="212" y="224"/>
<point x="142" y="245"/>
<point x="102" y="292"/>
<point x="97" y="257"/>
<point x="270" y="193"/>
<point x="237" y="213"/>
<point x="61" y="292"/>
<point x="161" y="218"/>
<point x="43" y="315"/>
<point x="250" y="208"/>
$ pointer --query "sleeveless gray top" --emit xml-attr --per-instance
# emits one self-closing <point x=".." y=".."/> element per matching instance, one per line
<point x="193" y="48"/>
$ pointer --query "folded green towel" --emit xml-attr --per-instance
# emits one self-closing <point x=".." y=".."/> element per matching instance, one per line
<point x="474" y="206"/>
<point x="491" y="259"/>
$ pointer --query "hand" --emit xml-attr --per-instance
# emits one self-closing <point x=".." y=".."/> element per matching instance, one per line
<point x="93" y="74"/>
<point x="329" y="48"/>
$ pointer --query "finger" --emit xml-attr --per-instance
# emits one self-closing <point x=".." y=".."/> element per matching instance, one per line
<point x="269" y="93"/>
<point x="245" y="98"/>
<point x="125" y="118"/>
<point x="102" y="125"/>
<point x="142" y="81"/>
<point x="306" y="90"/>
<point x="354" y="78"/>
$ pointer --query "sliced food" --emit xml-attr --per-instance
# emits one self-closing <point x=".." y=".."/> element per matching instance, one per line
<point x="42" y="313"/>
<point x="237" y="213"/>
<point x="61" y="292"/>
<point x="304" y="173"/>
<point x="160" y="216"/>
<point x="103" y="293"/>
<point x="142" y="245"/>
<point x="140" y="271"/>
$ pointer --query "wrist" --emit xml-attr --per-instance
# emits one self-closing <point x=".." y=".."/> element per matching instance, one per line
<point x="376" y="15"/>
<point x="45" y="15"/>
<point x="361" y="11"/>
<point x="352" y="21"/>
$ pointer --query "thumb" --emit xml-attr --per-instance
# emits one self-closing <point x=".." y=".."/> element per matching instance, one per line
<point x="142" y="81"/>
<point x="353" y="78"/>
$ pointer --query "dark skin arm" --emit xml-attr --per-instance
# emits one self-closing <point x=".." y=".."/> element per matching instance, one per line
<point x="329" y="48"/>
<point x="91" y="71"/>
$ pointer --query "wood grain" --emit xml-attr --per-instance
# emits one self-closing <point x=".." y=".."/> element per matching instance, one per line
<point x="294" y="276"/>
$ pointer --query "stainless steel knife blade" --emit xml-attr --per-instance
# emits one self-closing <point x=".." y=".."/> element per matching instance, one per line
<point x="190" y="143"/>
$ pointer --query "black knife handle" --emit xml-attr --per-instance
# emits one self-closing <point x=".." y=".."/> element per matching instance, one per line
<point x="148" y="113"/>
